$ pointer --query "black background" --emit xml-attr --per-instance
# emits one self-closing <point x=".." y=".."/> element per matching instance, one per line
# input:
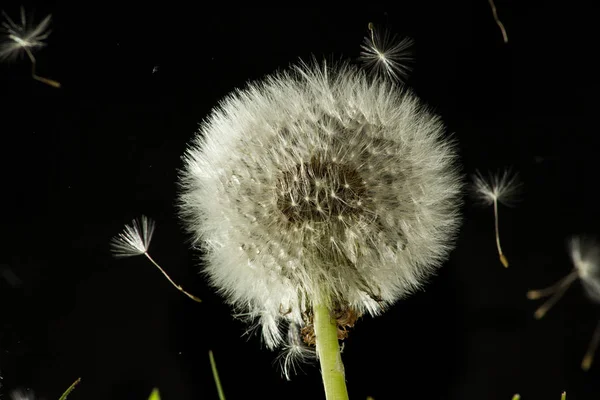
<point x="77" y="163"/>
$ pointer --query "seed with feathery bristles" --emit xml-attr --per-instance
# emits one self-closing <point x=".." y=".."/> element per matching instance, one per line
<point x="585" y="256"/>
<point x="387" y="55"/>
<point x="319" y="185"/>
<point x="135" y="238"/>
<point x="135" y="241"/>
<point x="294" y="353"/>
<point x="497" y="188"/>
<point x="25" y="38"/>
<point x="502" y="187"/>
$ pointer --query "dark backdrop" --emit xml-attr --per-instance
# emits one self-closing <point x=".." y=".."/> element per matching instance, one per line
<point x="79" y="162"/>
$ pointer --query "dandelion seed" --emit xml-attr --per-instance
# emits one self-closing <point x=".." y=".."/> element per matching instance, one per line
<point x="585" y="256"/>
<point x="497" y="20"/>
<point x="249" y="190"/>
<point x="386" y="55"/>
<point x="22" y="395"/>
<point x="588" y="358"/>
<point x="135" y="241"/>
<point x="294" y="353"/>
<point x="25" y="38"/>
<point x="499" y="188"/>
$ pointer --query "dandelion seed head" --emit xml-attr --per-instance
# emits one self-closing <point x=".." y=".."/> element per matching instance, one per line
<point x="21" y="38"/>
<point x="502" y="187"/>
<point x="585" y="255"/>
<point x="135" y="238"/>
<point x="387" y="55"/>
<point x="319" y="185"/>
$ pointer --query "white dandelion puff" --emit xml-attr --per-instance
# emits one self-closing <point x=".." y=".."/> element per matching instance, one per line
<point x="385" y="54"/>
<point x="585" y="256"/>
<point x="497" y="188"/>
<point x="320" y="186"/>
<point x="135" y="241"/>
<point x="25" y="37"/>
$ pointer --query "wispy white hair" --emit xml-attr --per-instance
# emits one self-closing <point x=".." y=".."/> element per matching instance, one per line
<point x="22" y="395"/>
<point x="585" y="255"/>
<point x="387" y="55"/>
<point x="319" y="185"/>
<point x="23" y="37"/>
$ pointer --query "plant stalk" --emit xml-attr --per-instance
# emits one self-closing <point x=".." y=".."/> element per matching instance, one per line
<point x="328" y="351"/>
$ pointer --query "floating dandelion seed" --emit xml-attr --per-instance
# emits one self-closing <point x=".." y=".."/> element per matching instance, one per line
<point x="386" y="55"/>
<point x="318" y="195"/>
<point x="135" y="240"/>
<point x="23" y="38"/>
<point x="499" y="188"/>
<point x="26" y="38"/>
<point x="585" y="255"/>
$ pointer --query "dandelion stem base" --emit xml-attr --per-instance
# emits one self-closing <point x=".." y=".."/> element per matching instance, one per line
<point x="328" y="351"/>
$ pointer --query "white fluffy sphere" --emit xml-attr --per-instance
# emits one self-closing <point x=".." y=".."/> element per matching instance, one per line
<point x="320" y="185"/>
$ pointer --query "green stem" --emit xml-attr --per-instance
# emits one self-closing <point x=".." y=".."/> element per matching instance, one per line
<point x="70" y="389"/>
<point x="328" y="351"/>
<point x="213" y="366"/>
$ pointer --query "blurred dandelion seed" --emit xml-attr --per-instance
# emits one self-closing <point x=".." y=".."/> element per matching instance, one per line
<point x="585" y="255"/>
<point x="22" y="395"/>
<point x="29" y="394"/>
<point x="556" y="291"/>
<point x="135" y="240"/>
<point x="26" y="38"/>
<point x="497" y="188"/>
<point x="498" y="22"/>
<point x="588" y="358"/>
<point x="386" y="55"/>
<point x="517" y="396"/>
